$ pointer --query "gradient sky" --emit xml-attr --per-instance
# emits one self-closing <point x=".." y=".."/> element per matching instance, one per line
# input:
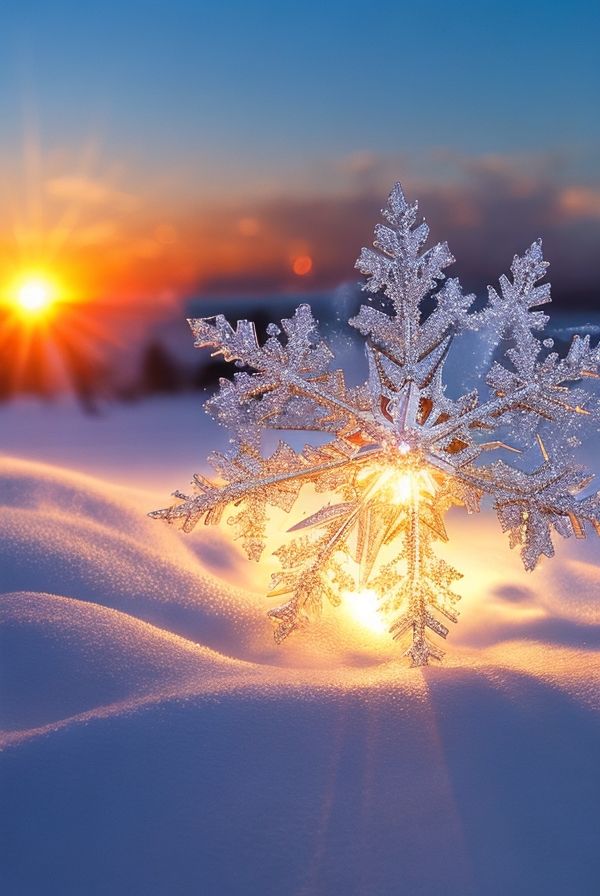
<point x="165" y="120"/>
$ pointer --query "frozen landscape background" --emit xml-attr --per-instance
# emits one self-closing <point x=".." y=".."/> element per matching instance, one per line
<point x="166" y="159"/>
<point x="156" y="741"/>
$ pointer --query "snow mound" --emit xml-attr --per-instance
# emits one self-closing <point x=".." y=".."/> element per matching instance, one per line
<point x="69" y="659"/>
<point x="69" y="534"/>
<point x="460" y="786"/>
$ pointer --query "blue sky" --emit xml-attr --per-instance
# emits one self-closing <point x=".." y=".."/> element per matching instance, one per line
<point x="274" y="85"/>
<point x="189" y="119"/>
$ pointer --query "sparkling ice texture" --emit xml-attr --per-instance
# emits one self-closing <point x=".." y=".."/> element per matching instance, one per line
<point x="401" y="451"/>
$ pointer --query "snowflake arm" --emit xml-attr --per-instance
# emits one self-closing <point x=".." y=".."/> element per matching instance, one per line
<point x="510" y="309"/>
<point x="397" y="268"/>
<point x="544" y="390"/>
<point x="293" y="380"/>
<point x="530" y="505"/>
<point x="416" y="587"/>
<point x="249" y="480"/>
<point x="311" y="568"/>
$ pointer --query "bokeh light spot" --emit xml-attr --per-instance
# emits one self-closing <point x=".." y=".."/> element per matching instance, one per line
<point x="302" y="265"/>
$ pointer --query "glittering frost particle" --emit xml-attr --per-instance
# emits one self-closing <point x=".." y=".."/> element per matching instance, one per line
<point x="401" y="452"/>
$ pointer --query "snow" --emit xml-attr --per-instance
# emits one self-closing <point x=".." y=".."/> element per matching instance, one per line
<point x="156" y="741"/>
<point x="452" y="787"/>
<point x="130" y="444"/>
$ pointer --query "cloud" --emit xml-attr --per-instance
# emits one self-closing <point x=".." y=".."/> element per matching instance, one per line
<point x="581" y="202"/>
<point x="488" y="208"/>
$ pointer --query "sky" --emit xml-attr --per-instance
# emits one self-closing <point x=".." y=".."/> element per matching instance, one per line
<point x="155" y="150"/>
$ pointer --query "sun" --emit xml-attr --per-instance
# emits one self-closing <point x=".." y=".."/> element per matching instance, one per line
<point x="35" y="295"/>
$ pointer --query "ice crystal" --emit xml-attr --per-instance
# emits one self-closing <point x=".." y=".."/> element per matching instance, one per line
<point x="401" y="451"/>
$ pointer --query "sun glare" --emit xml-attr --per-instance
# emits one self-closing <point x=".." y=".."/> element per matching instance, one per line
<point x="400" y="485"/>
<point x="405" y="486"/>
<point x="362" y="606"/>
<point x="35" y="295"/>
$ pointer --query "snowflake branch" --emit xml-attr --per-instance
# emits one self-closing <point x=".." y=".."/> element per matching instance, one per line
<point x="308" y="582"/>
<point x="312" y="390"/>
<point x="212" y="496"/>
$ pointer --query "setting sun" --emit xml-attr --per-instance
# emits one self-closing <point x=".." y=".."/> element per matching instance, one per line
<point x="35" y="295"/>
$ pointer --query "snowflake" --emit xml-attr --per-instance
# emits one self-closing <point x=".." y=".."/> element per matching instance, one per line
<point x="401" y="451"/>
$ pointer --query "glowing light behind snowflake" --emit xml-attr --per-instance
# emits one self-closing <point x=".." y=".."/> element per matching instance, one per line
<point x="398" y="485"/>
<point x="363" y="608"/>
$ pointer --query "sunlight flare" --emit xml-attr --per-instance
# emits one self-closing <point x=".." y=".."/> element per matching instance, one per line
<point x="35" y="295"/>
<point x="399" y="485"/>
<point x="363" y="607"/>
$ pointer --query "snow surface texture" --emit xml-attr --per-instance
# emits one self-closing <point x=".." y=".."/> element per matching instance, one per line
<point x="157" y="742"/>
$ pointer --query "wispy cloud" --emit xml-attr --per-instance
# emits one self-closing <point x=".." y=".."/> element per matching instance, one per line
<point x="488" y="208"/>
